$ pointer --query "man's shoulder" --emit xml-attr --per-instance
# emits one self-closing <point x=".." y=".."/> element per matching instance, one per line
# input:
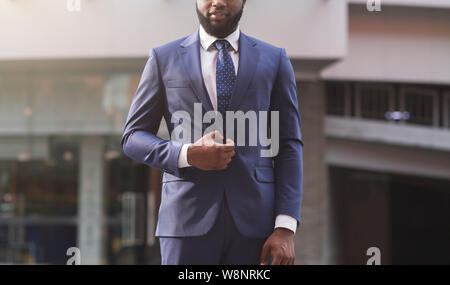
<point x="263" y="45"/>
<point x="169" y="47"/>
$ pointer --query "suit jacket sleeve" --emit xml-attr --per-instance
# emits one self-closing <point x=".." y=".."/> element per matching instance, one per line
<point x="288" y="162"/>
<point x="139" y="140"/>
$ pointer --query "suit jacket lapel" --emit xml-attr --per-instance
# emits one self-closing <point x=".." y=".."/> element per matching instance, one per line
<point x="190" y="54"/>
<point x="248" y="60"/>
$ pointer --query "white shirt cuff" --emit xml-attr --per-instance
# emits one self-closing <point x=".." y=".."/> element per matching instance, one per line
<point x="182" y="158"/>
<point x="285" y="221"/>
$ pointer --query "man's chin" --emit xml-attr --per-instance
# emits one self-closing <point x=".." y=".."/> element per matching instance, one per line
<point x="218" y="24"/>
<point x="218" y="30"/>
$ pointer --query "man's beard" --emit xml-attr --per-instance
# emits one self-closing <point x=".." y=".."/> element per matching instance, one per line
<point x="220" y="31"/>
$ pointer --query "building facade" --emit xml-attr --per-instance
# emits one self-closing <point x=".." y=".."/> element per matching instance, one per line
<point x="374" y="97"/>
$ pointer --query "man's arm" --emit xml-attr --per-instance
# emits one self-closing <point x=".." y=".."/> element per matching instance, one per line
<point x="139" y="140"/>
<point x="287" y="164"/>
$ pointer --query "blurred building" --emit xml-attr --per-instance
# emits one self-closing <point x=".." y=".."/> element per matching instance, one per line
<point x="374" y="96"/>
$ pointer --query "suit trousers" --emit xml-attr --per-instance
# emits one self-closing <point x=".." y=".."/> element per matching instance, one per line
<point x="223" y="244"/>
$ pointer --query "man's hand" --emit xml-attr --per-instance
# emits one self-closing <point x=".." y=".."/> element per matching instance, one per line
<point x="280" y="245"/>
<point x="207" y="154"/>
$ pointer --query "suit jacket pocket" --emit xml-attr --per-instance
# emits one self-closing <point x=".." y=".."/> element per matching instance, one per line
<point x="178" y="84"/>
<point x="265" y="174"/>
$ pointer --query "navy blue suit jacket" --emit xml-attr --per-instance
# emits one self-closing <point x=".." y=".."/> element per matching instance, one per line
<point x="257" y="188"/>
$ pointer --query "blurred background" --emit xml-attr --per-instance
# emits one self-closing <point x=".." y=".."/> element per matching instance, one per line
<point x="374" y="96"/>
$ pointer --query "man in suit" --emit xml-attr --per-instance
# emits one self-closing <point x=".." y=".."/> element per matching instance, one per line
<point x="222" y="203"/>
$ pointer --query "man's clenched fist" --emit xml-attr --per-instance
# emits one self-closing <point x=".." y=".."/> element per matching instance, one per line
<point x="207" y="154"/>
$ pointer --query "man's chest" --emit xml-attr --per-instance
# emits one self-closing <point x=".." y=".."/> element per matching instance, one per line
<point x="186" y="82"/>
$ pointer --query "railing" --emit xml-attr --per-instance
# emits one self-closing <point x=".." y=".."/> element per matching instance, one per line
<point x="405" y="104"/>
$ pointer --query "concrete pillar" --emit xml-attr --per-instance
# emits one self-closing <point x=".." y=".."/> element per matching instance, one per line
<point x="90" y="202"/>
<point x="309" y="240"/>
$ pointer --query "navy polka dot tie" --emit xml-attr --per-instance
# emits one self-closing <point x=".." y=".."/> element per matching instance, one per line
<point x="225" y="76"/>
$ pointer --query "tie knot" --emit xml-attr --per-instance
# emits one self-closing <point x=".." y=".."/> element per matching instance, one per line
<point x="221" y="45"/>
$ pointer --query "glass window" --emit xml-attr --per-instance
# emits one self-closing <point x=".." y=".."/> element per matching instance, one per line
<point x="44" y="120"/>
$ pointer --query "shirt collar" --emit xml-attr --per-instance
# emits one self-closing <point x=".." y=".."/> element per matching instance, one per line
<point x="206" y="40"/>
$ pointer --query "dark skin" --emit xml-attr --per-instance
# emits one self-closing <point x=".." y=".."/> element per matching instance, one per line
<point x="208" y="154"/>
<point x="220" y="18"/>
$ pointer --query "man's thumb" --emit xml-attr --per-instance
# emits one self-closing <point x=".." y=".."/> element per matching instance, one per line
<point x="216" y="135"/>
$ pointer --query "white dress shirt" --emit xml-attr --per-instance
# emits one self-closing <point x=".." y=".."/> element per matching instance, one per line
<point x="208" y="58"/>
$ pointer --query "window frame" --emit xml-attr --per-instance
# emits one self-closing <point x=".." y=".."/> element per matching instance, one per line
<point x="358" y="107"/>
<point x="427" y="91"/>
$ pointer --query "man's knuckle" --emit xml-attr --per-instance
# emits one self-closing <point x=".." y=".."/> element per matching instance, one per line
<point x="278" y="253"/>
<point x="277" y="245"/>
